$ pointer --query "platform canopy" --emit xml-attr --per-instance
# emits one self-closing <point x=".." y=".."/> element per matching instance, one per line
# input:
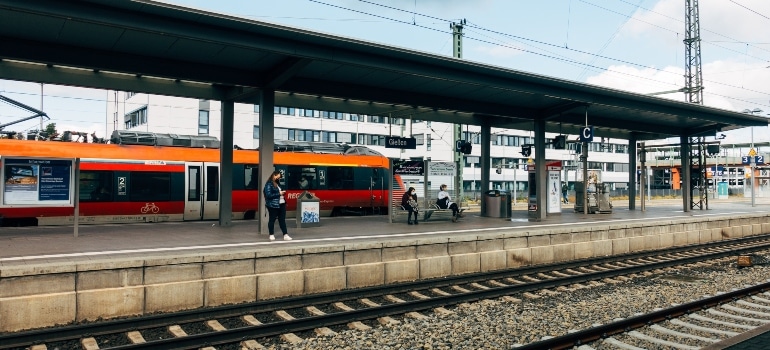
<point x="158" y="48"/>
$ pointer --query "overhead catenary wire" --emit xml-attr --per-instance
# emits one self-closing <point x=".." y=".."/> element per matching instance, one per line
<point x="552" y="56"/>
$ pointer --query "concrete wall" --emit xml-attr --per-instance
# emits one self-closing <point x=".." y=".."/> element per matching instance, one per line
<point x="33" y="296"/>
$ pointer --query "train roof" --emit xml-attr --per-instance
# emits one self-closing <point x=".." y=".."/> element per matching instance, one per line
<point x="124" y="137"/>
<point x="147" y="152"/>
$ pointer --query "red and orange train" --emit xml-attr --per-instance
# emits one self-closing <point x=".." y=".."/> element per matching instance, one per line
<point x="124" y="183"/>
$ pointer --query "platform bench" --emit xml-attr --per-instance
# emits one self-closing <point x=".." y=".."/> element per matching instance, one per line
<point x="434" y="208"/>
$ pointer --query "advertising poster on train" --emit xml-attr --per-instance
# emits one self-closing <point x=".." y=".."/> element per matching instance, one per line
<point x="36" y="181"/>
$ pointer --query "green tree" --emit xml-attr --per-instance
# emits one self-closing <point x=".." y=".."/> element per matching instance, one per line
<point x="50" y="129"/>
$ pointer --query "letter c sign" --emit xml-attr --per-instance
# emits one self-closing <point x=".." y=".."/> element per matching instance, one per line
<point x="587" y="134"/>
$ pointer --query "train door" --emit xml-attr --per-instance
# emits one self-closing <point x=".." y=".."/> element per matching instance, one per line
<point x="202" y="195"/>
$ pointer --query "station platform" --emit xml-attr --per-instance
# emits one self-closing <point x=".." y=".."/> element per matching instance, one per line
<point x="51" y="244"/>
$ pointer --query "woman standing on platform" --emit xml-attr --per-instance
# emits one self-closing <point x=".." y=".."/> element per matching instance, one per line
<point x="276" y="205"/>
<point x="409" y="202"/>
<point x="444" y="201"/>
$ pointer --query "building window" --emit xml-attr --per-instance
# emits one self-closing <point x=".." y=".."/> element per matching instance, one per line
<point x="256" y="108"/>
<point x="136" y="118"/>
<point x="256" y="132"/>
<point x="356" y="117"/>
<point x="281" y="134"/>
<point x="428" y="142"/>
<point x="203" y="122"/>
<point x="310" y="113"/>
<point x="130" y="94"/>
<point x="333" y="115"/>
<point x="283" y="110"/>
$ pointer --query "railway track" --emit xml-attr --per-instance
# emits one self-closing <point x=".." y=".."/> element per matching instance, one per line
<point x="691" y="325"/>
<point x="246" y="325"/>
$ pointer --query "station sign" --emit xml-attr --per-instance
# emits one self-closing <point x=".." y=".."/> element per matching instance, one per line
<point x="756" y="159"/>
<point x="550" y="165"/>
<point x="587" y="134"/>
<point x="442" y="169"/>
<point x="400" y="142"/>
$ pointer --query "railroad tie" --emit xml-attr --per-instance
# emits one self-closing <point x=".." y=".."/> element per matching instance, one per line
<point x="479" y="286"/>
<point x="496" y="283"/>
<point x="135" y="337"/>
<point x="418" y="295"/>
<point x="442" y="311"/>
<point x="560" y="274"/>
<point x="290" y="338"/>
<point x="215" y="325"/>
<point x="177" y="331"/>
<point x="439" y="292"/>
<point x="510" y="299"/>
<point x="38" y="347"/>
<point x="394" y="299"/>
<point x="322" y="331"/>
<point x="530" y="278"/>
<point x="416" y="316"/>
<point x="251" y="345"/>
<point x="89" y="343"/>
<point x="251" y="320"/>
<point x="460" y="289"/>
<point x="357" y="325"/>
<point x="384" y="320"/>
<point x="514" y="281"/>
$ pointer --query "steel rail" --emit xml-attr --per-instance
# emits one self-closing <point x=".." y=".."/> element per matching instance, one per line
<point x="11" y="340"/>
<point x="595" y="333"/>
<point x="304" y="324"/>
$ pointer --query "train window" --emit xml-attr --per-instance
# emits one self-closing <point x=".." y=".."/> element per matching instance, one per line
<point x="340" y="178"/>
<point x="301" y="178"/>
<point x="149" y="186"/>
<point x="251" y="177"/>
<point x="194" y="183"/>
<point x="212" y="183"/>
<point x="95" y="186"/>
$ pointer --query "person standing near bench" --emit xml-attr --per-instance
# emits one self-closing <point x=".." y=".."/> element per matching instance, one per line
<point x="409" y="203"/>
<point x="444" y="201"/>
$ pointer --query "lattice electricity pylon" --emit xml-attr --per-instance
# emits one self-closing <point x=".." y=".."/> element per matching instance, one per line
<point x="698" y="158"/>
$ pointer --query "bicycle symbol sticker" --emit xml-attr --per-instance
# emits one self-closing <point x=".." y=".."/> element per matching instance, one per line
<point x="150" y="207"/>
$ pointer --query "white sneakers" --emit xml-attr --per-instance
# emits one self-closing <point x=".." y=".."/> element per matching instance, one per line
<point x="285" y="238"/>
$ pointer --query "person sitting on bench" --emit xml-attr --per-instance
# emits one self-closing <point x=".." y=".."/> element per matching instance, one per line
<point x="409" y="203"/>
<point x="445" y="202"/>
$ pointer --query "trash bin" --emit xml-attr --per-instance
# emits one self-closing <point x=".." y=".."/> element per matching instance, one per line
<point x="498" y="204"/>
<point x="308" y="210"/>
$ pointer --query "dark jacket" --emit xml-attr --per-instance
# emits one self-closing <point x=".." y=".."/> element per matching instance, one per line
<point x="272" y="196"/>
<point x="405" y="199"/>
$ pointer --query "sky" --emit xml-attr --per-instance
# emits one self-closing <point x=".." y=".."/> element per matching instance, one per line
<point x="633" y="45"/>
